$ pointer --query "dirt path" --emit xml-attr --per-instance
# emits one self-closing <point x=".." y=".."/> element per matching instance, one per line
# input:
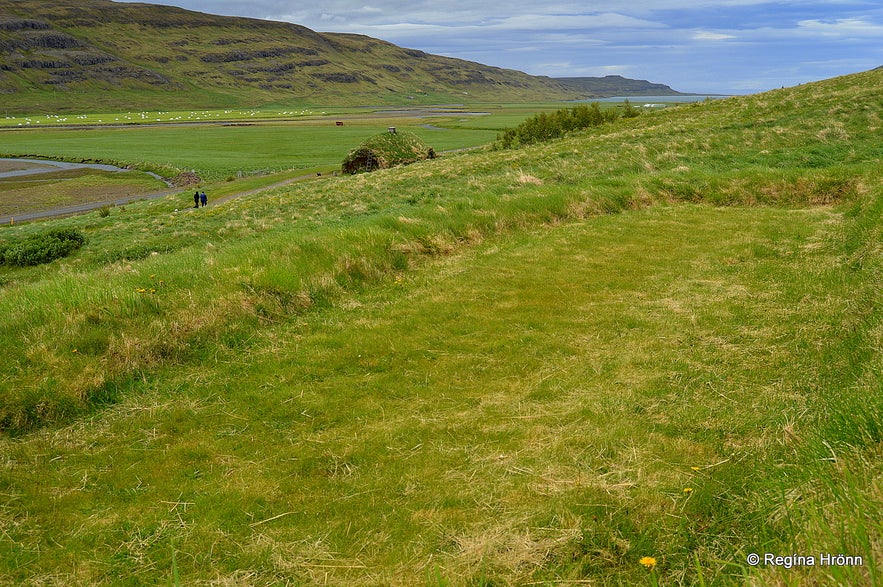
<point x="280" y="184"/>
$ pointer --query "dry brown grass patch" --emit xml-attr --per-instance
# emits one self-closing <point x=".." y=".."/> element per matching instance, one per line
<point x="527" y="179"/>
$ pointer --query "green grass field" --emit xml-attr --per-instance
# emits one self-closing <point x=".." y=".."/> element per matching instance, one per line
<point x="217" y="152"/>
<point x="236" y="145"/>
<point x="659" y="338"/>
<point x="220" y="144"/>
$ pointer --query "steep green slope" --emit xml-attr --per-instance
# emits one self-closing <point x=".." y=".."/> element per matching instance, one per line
<point x="658" y="338"/>
<point x="94" y="54"/>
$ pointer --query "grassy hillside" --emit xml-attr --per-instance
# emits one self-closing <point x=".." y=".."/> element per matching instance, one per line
<point x="659" y="338"/>
<point x="96" y="55"/>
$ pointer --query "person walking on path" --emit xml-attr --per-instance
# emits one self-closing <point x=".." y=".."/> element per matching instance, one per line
<point x="203" y="199"/>
<point x="196" y="200"/>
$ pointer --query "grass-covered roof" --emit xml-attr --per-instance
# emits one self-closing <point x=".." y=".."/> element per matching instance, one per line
<point x="386" y="150"/>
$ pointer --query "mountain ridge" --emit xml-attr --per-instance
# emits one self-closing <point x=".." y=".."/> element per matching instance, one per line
<point x="615" y="85"/>
<point x="75" y="55"/>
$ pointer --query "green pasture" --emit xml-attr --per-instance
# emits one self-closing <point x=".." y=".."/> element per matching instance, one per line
<point x="655" y="338"/>
<point x="501" y="114"/>
<point x="498" y="117"/>
<point x="218" y="151"/>
<point x="244" y="115"/>
<point x="319" y="114"/>
<point x="219" y="144"/>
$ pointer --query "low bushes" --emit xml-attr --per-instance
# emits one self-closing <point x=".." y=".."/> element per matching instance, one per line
<point x="41" y="248"/>
<point x="545" y="127"/>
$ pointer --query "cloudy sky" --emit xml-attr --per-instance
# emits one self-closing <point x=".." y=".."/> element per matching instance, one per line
<point x="714" y="46"/>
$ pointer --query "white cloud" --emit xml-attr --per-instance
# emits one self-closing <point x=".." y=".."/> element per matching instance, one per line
<point x="550" y="29"/>
<point x="709" y="36"/>
<point x="843" y="27"/>
<point x="573" y="69"/>
<point x="368" y="10"/>
<point x="692" y="45"/>
<point x="573" y="21"/>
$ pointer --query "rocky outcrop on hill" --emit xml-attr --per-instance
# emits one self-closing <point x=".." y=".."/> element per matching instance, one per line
<point x="38" y="55"/>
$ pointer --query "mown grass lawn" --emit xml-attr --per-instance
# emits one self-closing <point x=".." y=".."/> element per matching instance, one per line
<point x="548" y="407"/>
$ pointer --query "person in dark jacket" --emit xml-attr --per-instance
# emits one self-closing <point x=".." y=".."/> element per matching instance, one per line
<point x="203" y="199"/>
<point x="196" y="200"/>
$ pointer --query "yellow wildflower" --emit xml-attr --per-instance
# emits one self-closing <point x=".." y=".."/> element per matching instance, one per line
<point x="688" y="490"/>
<point x="648" y="561"/>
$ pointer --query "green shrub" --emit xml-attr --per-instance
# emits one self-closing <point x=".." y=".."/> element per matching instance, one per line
<point x="43" y="248"/>
<point x="630" y="111"/>
<point x="544" y="127"/>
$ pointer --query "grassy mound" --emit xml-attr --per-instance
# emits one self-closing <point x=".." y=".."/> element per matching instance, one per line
<point x="385" y="150"/>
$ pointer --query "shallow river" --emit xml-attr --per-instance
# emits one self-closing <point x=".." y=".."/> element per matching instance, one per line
<point x="37" y="166"/>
